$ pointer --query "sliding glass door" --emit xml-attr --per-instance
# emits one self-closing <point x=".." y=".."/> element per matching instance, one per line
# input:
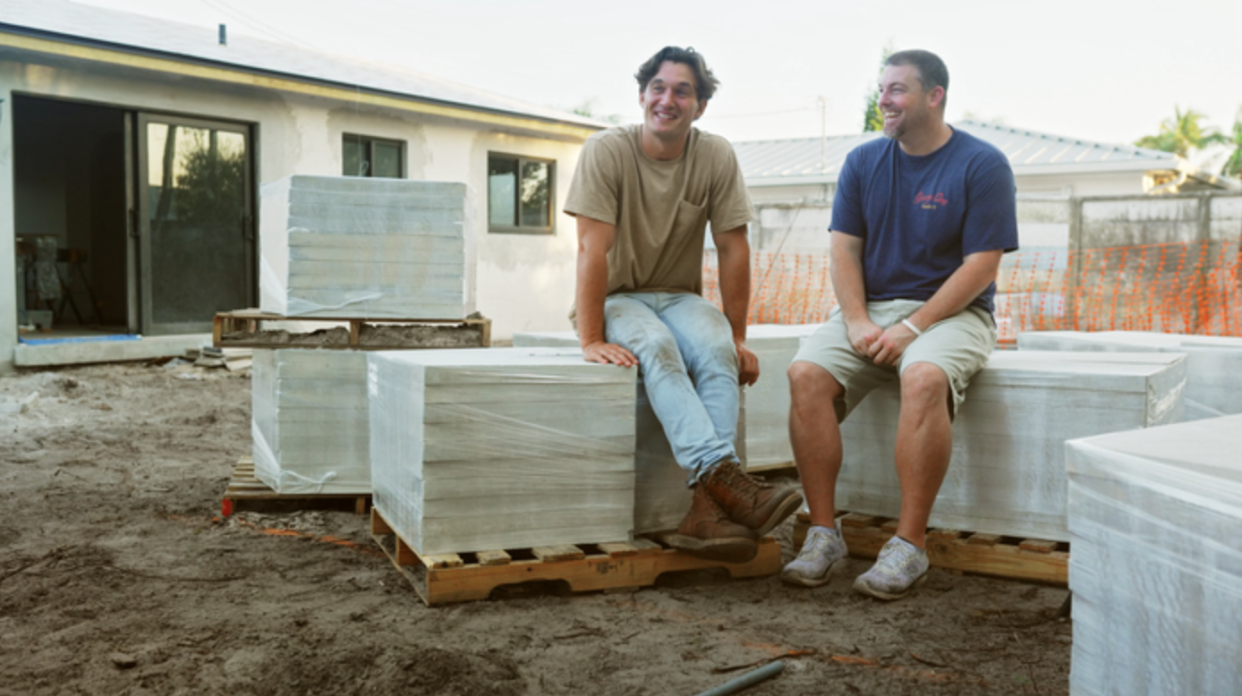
<point x="195" y="222"/>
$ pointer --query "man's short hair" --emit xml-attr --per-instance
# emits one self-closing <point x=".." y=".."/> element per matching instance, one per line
<point x="932" y="72"/>
<point x="705" y="82"/>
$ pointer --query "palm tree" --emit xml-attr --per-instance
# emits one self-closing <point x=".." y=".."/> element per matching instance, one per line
<point x="1233" y="166"/>
<point x="873" y="120"/>
<point x="1181" y="133"/>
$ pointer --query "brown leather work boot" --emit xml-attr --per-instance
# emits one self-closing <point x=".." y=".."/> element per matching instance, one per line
<point x="706" y="532"/>
<point x="748" y="500"/>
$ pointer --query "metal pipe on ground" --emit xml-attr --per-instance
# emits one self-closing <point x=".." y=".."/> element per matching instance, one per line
<point x="748" y="679"/>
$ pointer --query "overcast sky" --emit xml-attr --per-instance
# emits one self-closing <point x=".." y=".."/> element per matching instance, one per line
<point x="1100" y="70"/>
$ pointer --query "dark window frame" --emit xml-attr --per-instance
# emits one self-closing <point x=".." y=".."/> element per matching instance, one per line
<point x="519" y="228"/>
<point x="368" y="142"/>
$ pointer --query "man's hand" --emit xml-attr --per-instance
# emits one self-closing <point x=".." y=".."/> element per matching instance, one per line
<point x="747" y="364"/>
<point x="862" y="334"/>
<point x="608" y="354"/>
<point x="891" y="344"/>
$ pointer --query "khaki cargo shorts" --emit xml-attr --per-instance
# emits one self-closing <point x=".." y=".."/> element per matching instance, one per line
<point x="959" y="345"/>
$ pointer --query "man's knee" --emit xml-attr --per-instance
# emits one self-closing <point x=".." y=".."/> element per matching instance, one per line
<point x="811" y="385"/>
<point x="924" y="385"/>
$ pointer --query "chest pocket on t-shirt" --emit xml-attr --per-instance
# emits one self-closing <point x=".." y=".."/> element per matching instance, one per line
<point x="690" y="218"/>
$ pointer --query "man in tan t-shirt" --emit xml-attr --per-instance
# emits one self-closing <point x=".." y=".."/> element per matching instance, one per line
<point x="643" y="196"/>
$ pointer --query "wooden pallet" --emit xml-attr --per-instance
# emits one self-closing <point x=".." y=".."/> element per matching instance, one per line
<point x="246" y="492"/>
<point x="465" y="577"/>
<point x="243" y="328"/>
<point x="777" y="467"/>
<point x="1036" y="560"/>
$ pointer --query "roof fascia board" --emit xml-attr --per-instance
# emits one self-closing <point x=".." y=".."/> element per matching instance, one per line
<point x="190" y="67"/>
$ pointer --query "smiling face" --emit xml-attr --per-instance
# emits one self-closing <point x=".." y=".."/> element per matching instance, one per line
<point x="670" y="104"/>
<point x="908" y="109"/>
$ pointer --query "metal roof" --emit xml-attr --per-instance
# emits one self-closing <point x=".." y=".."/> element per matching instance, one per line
<point x="819" y="160"/>
<point x="85" y="24"/>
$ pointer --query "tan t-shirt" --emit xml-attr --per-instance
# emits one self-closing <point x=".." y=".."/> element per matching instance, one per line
<point x="660" y="208"/>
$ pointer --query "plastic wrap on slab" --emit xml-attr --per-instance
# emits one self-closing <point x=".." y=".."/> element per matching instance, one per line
<point x="1007" y="472"/>
<point x="309" y="421"/>
<point x="767" y="401"/>
<point x="1213" y="363"/>
<point x="503" y="448"/>
<point x="1156" y="560"/>
<point x="367" y="248"/>
<point x="662" y="496"/>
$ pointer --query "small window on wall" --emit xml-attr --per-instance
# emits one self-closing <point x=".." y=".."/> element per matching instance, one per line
<point x="519" y="194"/>
<point x="365" y="156"/>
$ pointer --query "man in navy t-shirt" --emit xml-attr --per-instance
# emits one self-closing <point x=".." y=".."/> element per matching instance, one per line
<point x="919" y="224"/>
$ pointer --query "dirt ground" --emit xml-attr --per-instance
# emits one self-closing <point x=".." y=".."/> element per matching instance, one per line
<point x="118" y="577"/>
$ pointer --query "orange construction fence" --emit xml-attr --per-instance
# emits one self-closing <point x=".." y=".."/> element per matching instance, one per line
<point x="1176" y="287"/>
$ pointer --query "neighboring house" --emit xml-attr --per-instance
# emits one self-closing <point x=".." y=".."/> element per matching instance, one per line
<point x="103" y="112"/>
<point x="792" y="182"/>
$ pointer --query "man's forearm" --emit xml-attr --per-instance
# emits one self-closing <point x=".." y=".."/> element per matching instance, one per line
<point x="845" y="270"/>
<point x="590" y="292"/>
<point x="966" y="283"/>
<point x="735" y="286"/>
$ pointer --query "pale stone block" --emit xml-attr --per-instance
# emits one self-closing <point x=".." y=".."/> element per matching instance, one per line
<point x="1213" y="363"/>
<point x="1007" y="472"/>
<point x="309" y="421"/>
<point x="1156" y="559"/>
<point x="366" y="248"/>
<point x="503" y="448"/>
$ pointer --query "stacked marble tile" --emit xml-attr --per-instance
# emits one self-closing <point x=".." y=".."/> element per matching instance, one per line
<point x="1156" y="560"/>
<point x="1007" y="472"/>
<point x="1213" y="363"/>
<point x="661" y="495"/>
<point x="767" y="401"/>
<point x="309" y="421"/>
<point x="366" y="248"/>
<point x="503" y="448"/>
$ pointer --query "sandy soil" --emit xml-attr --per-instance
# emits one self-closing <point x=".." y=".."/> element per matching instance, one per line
<point x="118" y="577"/>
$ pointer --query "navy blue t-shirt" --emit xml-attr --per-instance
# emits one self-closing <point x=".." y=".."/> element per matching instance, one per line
<point x="920" y="216"/>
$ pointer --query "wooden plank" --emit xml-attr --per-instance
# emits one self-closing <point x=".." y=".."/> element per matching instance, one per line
<point x="1038" y="545"/>
<point x="958" y="552"/>
<point x="983" y="539"/>
<point x="441" y="560"/>
<point x="890" y="525"/>
<point x="556" y="554"/>
<point x="593" y="573"/>
<point x="854" y="519"/>
<point x="619" y="548"/>
<point x="379" y="525"/>
<point x="468" y="332"/>
<point x="493" y="558"/>
<point x="405" y="556"/>
<point x="1001" y="560"/>
<point x="646" y="547"/>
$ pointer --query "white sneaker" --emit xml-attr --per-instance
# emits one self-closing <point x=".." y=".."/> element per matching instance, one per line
<point x="899" y="568"/>
<point x="821" y="554"/>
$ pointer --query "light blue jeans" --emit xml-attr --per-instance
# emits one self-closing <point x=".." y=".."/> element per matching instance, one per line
<point x="688" y="363"/>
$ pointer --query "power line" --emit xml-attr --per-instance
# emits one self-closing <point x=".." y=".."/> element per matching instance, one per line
<point x="258" y="25"/>
<point x="767" y="113"/>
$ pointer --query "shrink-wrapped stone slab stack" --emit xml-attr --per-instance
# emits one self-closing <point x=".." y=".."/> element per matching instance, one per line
<point x="309" y="421"/>
<point x="662" y="496"/>
<point x="767" y="401"/>
<point x="1007" y="473"/>
<point x="1156" y="560"/>
<point x="349" y="247"/>
<point x="1213" y="363"/>
<point x="504" y="448"/>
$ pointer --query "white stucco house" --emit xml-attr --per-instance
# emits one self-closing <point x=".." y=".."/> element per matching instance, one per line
<point x="101" y="111"/>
